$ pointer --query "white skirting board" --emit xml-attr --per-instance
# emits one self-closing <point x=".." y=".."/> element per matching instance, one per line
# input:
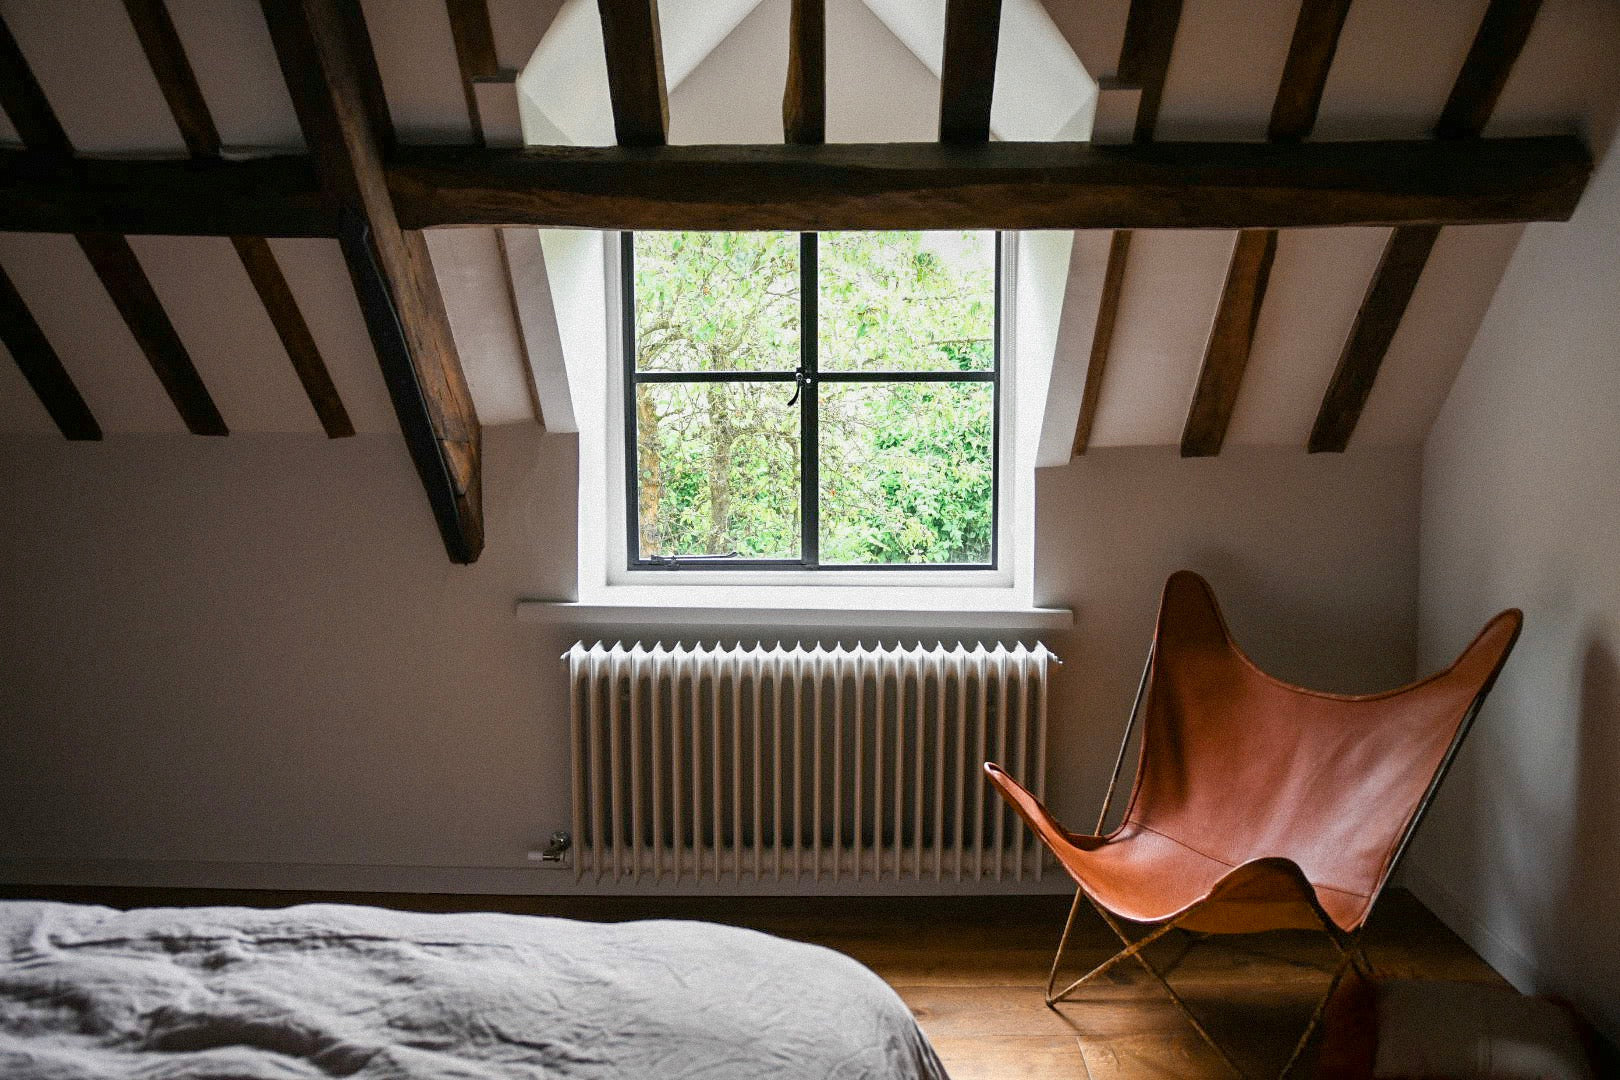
<point x="502" y="880"/>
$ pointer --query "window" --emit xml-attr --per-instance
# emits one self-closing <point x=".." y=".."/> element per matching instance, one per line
<point x="812" y="401"/>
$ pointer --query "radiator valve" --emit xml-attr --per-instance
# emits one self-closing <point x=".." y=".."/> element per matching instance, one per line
<point x="556" y="851"/>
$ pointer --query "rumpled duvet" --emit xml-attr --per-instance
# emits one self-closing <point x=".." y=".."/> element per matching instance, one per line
<point x="329" y="990"/>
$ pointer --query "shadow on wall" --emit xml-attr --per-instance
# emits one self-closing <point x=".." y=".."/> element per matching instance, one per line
<point x="1591" y="894"/>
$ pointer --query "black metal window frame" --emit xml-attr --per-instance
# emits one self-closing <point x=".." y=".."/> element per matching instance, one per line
<point x="807" y="378"/>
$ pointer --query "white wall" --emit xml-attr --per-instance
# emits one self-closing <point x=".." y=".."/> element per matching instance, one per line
<point x="246" y="661"/>
<point x="1521" y="507"/>
<point x="1313" y="558"/>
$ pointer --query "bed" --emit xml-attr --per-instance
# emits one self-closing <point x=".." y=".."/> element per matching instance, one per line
<point x="326" y="990"/>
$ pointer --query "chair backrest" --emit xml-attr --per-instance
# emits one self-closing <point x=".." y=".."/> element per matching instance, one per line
<point x="1239" y="765"/>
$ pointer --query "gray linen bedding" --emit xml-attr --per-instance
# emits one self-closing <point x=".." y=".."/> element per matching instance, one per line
<point x="329" y="990"/>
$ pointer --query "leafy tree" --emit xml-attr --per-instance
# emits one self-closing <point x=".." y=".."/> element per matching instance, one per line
<point x="906" y="469"/>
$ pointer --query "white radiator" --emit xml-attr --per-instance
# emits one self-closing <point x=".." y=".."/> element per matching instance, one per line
<point x="776" y="763"/>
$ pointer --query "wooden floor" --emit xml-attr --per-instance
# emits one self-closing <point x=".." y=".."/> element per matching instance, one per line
<point x="972" y="969"/>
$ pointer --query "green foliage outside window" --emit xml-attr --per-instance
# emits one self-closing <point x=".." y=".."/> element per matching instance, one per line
<point x="905" y="468"/>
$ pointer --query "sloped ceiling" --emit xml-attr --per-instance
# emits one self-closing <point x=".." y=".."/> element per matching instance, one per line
<point x="1392" y="72"/>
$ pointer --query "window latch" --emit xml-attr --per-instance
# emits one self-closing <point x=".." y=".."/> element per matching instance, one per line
<point x="801" y="379"/>
<point x="670" y="562"/>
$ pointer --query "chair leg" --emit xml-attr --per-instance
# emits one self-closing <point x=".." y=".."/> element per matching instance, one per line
<point x="1175" y="997"/>
<point x="1132" y="948"/>
<point x="1351" y="954"/>
<point x="1344" y="965"/>
<point x="1051" y="979"/>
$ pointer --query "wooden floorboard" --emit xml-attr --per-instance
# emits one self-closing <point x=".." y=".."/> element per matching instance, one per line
<point x="972" y="969"/>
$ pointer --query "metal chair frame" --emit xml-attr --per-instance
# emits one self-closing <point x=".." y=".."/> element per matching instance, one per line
<point x="1348" y="944"/>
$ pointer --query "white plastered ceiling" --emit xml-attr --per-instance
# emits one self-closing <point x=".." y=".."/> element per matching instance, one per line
<point x="1393" y="69"/>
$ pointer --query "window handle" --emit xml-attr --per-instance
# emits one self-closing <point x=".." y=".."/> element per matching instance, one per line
<point x="672" y="561"/>
<point x="801" y="379"/>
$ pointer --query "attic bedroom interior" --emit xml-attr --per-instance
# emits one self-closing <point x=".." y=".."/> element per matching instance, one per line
<point x="809" y="538"/>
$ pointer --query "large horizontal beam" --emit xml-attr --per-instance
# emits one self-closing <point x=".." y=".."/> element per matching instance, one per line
<point x="995" y="185"/>
<point x="838" y="186"/>
<point x="272" y="196"/>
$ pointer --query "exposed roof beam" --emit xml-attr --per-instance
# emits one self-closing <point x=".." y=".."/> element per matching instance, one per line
<point x="167" y="57"/>
<point x="1230" y="339"/>
<point x="1231" y="335"/>
<point x="968" y="71"/>
<point x="110" y="254"/>
<point x="476" y="57"/>
<point x="635" y="63"/>
<point x="175" y="78"/>
<point x="126" y="283"/>
<point x="331" y="75"/>
<point x="1310" y="55"/>
<point x="273" y="196"/>
<point x="271" y="285"/>
<point x="1502" y="34"/>
<point x="804" y="101"/>
<point x="1501" y="37"/>
<point x="892" y="186"/>
<point x="996" y="185"/>
<point x="1144" y="58"/>
<point x="25" y="103"/>
<point x="1144" y="63"/>
<point x="1102" y="337"/>
<point x="42" y="367"/>
<point x="1392" y="286"/>
<point x="475" y="52"/>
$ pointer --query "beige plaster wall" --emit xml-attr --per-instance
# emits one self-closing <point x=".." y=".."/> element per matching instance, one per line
<point x="1521" y="507"/>
<point x="248" y="662"/>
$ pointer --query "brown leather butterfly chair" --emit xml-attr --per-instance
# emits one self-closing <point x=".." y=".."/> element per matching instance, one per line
<point x="1259" y="805"/>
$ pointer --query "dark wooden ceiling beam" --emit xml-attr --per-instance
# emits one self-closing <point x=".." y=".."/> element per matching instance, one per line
<point x="273" y="196"/>
<point x="271" y="285"/>
<point x="1102" y="337"/>
<point x="635" y="63"/>
<point x="40" y="365"/>
<point x="995" y="185"/>
<point x="126" y="283"/>
<point x="31" y="114"/>
<point x="109" y="253"/>
<point x="1144" y="63"/>
<point x="1144" y="57"/>
<point x="167" y="58"/>
<point x="475" y="52"/>
<point x="1231" y="335"/>
<point x="1502" y="33"/>
<point x="892" y="186"/>
<point x="1501" y="37"/>
<point x="968" y="70"/>
<point x="1310" y="56"/>
<point x="330" y="71"/>
<point x="804" y="100"/>
<point x="1379" y="317"/>
<point x="1230" y="339"/>
<point x="25" y="103"/>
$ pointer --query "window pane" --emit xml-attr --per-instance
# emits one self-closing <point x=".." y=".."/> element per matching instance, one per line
<point x="907" y="472"/>
<point x="718" y="469"/>
<point x="712" y="301"/>
<point x="907" y="301"/>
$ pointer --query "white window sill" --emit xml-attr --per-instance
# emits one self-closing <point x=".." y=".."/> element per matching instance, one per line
<point x="853" y="608"/>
